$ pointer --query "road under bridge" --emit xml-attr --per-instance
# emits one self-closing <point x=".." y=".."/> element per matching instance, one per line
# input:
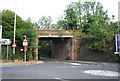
<point x="64" y="44"/>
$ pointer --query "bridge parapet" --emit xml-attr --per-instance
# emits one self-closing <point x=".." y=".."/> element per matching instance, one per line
<point x="57" y="32"/>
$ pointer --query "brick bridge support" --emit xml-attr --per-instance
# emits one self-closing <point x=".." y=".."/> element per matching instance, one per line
<point x="64" y="43"/>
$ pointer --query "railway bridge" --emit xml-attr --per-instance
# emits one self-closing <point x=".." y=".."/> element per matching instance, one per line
<point x="64" y="43"/>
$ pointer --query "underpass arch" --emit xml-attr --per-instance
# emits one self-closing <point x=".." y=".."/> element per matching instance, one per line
<point x="64" y="43"/>
<point x="61" y="47"/>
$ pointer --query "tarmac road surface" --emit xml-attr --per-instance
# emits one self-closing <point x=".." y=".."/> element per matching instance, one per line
<point x="60" y="70"/>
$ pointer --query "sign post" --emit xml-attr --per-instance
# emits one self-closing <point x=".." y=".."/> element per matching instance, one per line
<point x="7" y="53"/>
<point x="25" y="44"/>
<point x="117" y="42"/>
<point x="7" y="42"/>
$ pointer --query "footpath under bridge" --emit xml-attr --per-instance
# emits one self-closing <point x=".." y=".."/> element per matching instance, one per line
<point x="64" y="43"/>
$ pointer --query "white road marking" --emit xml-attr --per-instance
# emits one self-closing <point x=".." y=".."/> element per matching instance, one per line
<point x="60" y="79"/>
<point x="75" y="64"/>
<point x="102" y="73"/>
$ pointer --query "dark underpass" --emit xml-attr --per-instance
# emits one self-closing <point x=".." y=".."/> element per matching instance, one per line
<point x="55" y="47"/>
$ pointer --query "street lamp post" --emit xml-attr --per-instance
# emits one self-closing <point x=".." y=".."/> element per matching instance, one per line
<point x="14" y="45"/>
<point x="14" y="36"/>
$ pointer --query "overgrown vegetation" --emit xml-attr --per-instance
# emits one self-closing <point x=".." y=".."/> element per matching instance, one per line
<point x="97" y="28"/>
<point x="22" y="28"/>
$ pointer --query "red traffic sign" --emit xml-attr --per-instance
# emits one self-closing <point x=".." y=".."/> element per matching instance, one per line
<point x="25" y="42"/>
<point x="14" y="45"/>
<point x="25" y="48"/>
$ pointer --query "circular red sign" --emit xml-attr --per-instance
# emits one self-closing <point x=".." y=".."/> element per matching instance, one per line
<point x="14" y="45"/>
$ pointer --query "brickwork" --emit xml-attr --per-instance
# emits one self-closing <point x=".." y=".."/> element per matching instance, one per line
<point x="66" y="48"/>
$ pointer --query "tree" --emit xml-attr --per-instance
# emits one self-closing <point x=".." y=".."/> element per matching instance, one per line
<point x="98" y="36"/>
<point x="90" y="18"/>
<point x="22" y="28"/>
<point x="55" y="27"/>
<point x="8" y="23"/>
<point x="28" y="30"/>
<point x="71" y="19"/>
<point x="44" y="23"/>
<point x="79" y="15"/>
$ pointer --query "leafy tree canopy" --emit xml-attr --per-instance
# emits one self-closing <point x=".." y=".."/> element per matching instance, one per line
<point x="79" y="15"/>
<point x="44" y="23"/>
<point x="22" y="28"/>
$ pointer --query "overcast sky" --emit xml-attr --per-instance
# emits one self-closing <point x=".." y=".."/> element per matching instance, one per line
<point x="54" y="8"/>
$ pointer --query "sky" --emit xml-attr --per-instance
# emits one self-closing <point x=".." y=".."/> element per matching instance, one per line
<point x="54" y="8"/>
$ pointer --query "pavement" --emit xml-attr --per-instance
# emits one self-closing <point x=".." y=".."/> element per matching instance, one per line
<point x="2" y="64"/>
<point x="96" y="63"/>
<point x="86" y="62"/>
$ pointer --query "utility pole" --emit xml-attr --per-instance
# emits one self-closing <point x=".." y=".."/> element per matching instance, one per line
<point x="14" y="45"/>
<point x="14" y="33"/>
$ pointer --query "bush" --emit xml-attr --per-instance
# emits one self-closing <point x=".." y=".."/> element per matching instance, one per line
<point x="97" y="46"/>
